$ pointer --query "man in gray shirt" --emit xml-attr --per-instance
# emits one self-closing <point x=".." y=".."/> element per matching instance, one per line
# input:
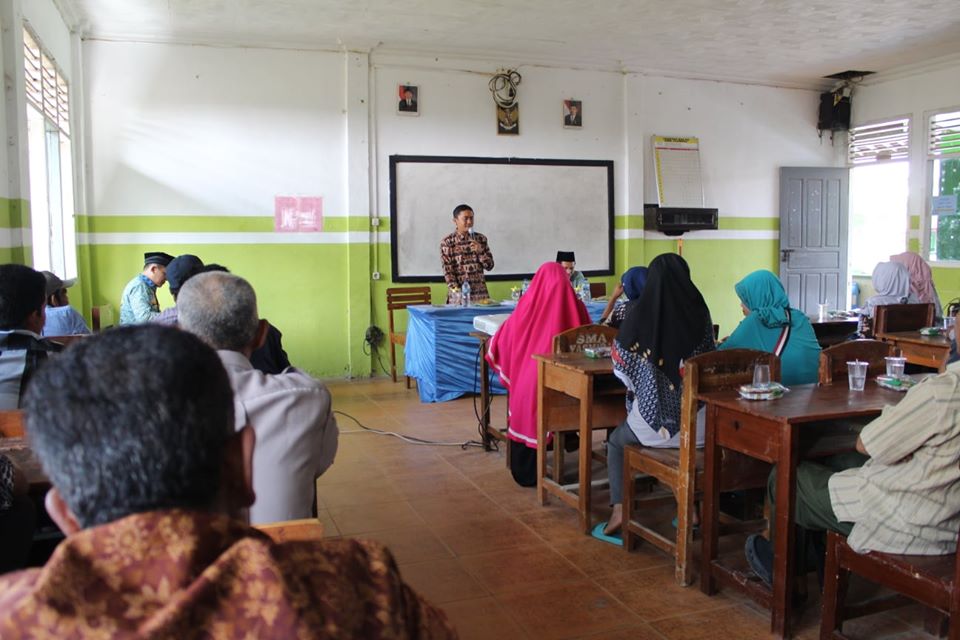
<point x="290" y="412"/>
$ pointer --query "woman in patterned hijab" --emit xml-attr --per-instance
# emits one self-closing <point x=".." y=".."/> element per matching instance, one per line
<point x="668" y="324"/>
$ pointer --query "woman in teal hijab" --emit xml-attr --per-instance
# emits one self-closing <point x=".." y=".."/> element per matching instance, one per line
<point x="766" y="307"/>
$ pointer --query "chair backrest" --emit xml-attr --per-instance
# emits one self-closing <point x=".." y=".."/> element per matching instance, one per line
<point x="288" y="530"/>
<point x="66" y="341"/>
<point x="833" y="360"/>
<point x="11" y="424"/>
<point x="888" y="318"/>
<point x="598" y="289"/>
<point x="401" y="298"/>
<point x="587" y="336"/>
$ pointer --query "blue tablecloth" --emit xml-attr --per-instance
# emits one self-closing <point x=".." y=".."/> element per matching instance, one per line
<point x="442" y="355"/>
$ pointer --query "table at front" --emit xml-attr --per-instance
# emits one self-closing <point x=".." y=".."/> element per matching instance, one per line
<point x="770" y="431"/>
<point x="20" y="453"/>
<point x="442" y="355"/>
<point x="926" y="351"/>
<point x="574" y="392"/>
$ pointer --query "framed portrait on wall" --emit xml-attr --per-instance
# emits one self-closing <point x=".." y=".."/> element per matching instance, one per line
<point x="508" y="120"/>
<point x="408" y="100"/>
<point x="572" y="114"/>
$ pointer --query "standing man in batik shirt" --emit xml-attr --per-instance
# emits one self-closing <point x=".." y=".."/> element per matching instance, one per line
<point x="465" y="255"/>
<point x="138" y="303"/>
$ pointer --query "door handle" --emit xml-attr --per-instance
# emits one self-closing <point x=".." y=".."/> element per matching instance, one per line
<point x="785" y="254"/>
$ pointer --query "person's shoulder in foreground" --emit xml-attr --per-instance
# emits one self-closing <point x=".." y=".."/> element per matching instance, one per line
<point x="152" y="511"/>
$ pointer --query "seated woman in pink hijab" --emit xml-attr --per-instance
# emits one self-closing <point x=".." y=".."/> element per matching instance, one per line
<point x="921" y="279"/>
<point x="550" y="306"/>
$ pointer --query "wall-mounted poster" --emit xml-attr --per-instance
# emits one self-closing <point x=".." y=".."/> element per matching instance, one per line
<point x="298" y="214"/>
<point x="508" y="120"/>
<point x="408" y="96"/>
<point x="572" y="113"/>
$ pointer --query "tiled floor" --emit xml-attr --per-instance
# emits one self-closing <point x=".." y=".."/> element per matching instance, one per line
<point x="498" y="563"/>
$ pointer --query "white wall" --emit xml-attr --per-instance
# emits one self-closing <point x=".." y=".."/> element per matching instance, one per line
<point x="193" y="130"/>
<point x="746" y="132"/>
<point x="458" y="116"/>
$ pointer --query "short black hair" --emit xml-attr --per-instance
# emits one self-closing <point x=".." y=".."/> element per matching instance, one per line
<point x="135" y="419"/>
<point x="460" y="208"/>
<point x="22" y="291"/>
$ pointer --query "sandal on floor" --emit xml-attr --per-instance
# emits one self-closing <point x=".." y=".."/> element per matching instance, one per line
<point x="598" y="533"/>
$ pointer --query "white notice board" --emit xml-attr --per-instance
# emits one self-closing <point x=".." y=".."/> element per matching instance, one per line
<point x="677" y="163"/>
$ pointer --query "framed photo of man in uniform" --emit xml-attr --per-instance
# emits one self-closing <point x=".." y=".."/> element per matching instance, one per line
<point x="572" y="114"/>
<point x="408" y="100"/>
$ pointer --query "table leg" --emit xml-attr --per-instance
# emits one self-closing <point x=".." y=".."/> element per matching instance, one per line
<point x="585" y="458"/>
<point x="711" y="495"/>
<point x="485" y="398"/>
<point x="541" y="435"/>
<point x="784" y="543"/>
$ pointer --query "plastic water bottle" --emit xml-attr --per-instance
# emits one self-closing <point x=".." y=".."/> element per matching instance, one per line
<point x="585" y="293"/>
<point x="465" y="294"/>
<point x="854" y="295"/>
<point x="524" y="286"/>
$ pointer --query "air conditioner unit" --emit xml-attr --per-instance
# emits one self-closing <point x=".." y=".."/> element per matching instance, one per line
<point x="674" y="221"/>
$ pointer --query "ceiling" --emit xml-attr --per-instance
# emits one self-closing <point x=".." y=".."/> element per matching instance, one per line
<point x="781" y="42"/>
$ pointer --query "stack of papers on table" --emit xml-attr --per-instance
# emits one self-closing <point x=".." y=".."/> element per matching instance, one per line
<point x="489" y="324"/>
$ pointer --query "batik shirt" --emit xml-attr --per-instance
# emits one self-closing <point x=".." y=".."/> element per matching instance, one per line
<point x="460" y="262"/>
<point x="6" y="483"/>
<point x="184" y="574"/>
<point x="139" y="301"/>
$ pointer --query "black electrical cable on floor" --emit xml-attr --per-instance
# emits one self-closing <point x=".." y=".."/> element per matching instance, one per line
<point x="408" y="439"/>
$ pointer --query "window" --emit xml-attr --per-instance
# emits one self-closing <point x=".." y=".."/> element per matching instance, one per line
<point x="879" y="182"/>
<point x="50" y="161"/>
<point x="943" y="168"/>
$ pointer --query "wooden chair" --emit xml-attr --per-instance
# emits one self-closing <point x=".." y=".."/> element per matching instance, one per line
<point x="833" y="360"/>
<point x="888" y="318"/>
<point x="65" y="341"/>
<point x="289" y="530"/>
<point x="930" y="580"/>
<point x="681" y="470"/>
<point x="401" y="298"/>
<point x="598" y="289"/>
<point x="11" y="424"/>
<point x="575" y="341"/>
<point x="589" y="335"/>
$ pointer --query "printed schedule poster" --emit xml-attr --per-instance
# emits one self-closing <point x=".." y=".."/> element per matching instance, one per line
<point x="678" y="171"/>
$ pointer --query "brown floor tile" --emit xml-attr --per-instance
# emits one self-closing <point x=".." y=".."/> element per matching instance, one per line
<point x="436" y="483"/>
<point x="639" y="631"/>
<point x="368" y="518"/>
<point x="468" y="505"/>
<point x="733" y="623"/>
<point x="361" y="492"/>
<point x="569" y="611"/>
<point x="442" y="581"/>
<point x="414" y="544"/>
<point x="597" y="558"/>
<point x="483" y="619"/>
<point x="330" y="529"/>
<point x="520" y="569"/>
<point x="467" y="537"/>
<point x="653" y="594"/>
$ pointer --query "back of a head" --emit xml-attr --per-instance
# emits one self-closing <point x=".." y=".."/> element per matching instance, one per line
<point x="133" y="420"/>
<point x="22" y="291"/>
<point x="221" y="308"/>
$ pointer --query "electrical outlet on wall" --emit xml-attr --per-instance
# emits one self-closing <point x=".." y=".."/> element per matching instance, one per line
<point x="376" y="275"/>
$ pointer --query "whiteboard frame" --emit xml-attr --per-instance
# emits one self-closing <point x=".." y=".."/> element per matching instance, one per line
<point x="394" y="226"/>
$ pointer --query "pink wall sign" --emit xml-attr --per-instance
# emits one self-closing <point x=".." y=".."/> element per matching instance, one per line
<point x="298" y="213"/>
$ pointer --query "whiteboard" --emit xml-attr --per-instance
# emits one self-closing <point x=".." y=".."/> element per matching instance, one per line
<point x="528" y="209"/>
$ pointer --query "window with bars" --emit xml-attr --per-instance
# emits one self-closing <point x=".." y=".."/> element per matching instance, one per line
<point x="879" y="180"/>
<point x="50" y="160"/>
<point x="943" y="169"/>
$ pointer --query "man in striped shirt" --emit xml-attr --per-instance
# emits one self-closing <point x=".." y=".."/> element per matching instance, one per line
<point x="905" y="498"/>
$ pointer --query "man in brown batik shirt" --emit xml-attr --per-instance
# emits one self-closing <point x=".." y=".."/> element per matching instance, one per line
<point x="465" y="255"/>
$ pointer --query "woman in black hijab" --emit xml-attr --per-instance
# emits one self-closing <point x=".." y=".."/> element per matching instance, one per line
<point x="667" y="325"/>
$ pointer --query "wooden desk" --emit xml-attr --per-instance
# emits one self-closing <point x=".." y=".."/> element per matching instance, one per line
<point x="926" y="351"/>
<point x="488" y="433"/>
<point x="20" y="453"/>
<point x="574" y="393"/>
<point x="770" y="431"/>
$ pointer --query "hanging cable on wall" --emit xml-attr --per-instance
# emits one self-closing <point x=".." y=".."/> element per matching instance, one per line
<point x="503" y="86"/>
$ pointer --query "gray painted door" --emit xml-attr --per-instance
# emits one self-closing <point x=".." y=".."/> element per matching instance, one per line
<point x="813" y="236"/>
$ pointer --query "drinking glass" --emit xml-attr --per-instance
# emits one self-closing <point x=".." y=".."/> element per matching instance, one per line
<point x="857" y="374"/>
<point x="761" y="376"/>
<point x="895" y="366"/>
<point x="822" y="311"/>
